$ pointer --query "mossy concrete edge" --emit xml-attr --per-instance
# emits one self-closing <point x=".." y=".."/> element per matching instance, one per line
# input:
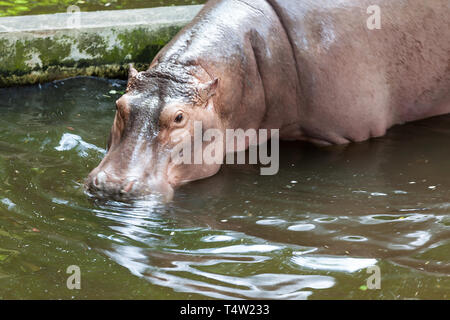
<point x="42" y="48"/>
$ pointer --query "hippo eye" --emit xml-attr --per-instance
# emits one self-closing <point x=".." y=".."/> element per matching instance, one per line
<point x="179" y="118"/>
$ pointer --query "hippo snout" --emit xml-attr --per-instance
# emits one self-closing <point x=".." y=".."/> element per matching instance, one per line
<point x="106" y="185"/>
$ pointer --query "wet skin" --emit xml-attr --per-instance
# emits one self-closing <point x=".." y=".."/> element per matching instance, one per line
<point x="309" y="68"/>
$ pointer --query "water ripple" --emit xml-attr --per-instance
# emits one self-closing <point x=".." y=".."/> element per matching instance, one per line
<point x="340" y="264"/>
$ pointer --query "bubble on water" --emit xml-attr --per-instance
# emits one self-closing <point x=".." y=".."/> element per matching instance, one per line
<point x="302" y="227"/>
<point x="389" y="218"/>
<point x="270" y="222"/>
<point x="326" y="219"/>
<point x="353" y="238"/>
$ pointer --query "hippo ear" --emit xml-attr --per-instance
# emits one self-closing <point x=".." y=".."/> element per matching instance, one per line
<point x="208" y="90"/>
<point x="132" y="72"/>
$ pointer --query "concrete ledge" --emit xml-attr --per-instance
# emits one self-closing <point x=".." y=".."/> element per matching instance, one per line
<point x="43" y="48"/>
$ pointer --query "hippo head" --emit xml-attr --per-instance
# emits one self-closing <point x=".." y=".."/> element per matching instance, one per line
<point x="154" y="118"/>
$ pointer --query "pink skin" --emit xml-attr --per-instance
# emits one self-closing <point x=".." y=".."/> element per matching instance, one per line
<point x="172" y="133"/>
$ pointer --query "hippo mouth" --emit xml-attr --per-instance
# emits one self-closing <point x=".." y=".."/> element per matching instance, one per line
<point x="133" y="189"/>
<point x="109" y="181"/>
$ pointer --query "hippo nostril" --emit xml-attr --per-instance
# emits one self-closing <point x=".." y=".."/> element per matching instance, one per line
<point x="101" y="178"/>
<point x="95" y="182"/>
<point x="129" y="186"/>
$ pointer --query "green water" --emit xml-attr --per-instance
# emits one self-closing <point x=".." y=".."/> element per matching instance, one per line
<point x="309" y="232"/>
<point x="27" y="7"/>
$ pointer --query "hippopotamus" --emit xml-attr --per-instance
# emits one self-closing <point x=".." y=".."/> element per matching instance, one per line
<point x="315" y="70"/>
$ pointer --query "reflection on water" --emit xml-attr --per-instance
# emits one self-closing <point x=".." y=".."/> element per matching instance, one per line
<point x="309" y="232"/>
<point x="334" y="263"/>
<point x="72" y="141"/>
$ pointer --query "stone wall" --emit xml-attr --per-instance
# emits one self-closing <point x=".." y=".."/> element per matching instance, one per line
<point x="41" y="48"/>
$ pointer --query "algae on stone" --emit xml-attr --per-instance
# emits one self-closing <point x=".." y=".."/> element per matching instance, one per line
<point x="46" y="56"/>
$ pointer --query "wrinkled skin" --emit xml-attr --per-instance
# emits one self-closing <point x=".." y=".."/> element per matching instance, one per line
<point x="309" y="68"/>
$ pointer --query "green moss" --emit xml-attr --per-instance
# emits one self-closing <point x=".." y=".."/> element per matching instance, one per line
<point x="92" y="44"/>
<point x="143" y="45"/>
<point x="21" y="55"/>
<point x="50" y="57"/>
<point x="51" y="52"/>
<point x="14" y="56"/>
<point x="138" y="45"/>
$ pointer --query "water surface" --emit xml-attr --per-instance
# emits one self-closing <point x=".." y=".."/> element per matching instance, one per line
<point x="309" y="232"/>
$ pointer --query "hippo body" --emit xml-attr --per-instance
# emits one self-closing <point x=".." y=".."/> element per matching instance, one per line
<point x="311" y="68"/>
